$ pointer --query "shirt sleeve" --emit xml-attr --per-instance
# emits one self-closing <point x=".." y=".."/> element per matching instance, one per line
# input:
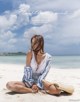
<point x="45" y="72"/>
<point x="27" y="77"/>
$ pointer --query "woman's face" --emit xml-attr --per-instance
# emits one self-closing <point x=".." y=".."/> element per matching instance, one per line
<point x="34" y="44"/>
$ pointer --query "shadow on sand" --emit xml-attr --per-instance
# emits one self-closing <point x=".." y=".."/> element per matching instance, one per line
<point x="61" y="94"/>
<point x="13" y="93"/>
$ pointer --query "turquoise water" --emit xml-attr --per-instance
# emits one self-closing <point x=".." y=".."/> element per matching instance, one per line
<point x="57" y="61"/>
<point x="13" y="59"/>
<point x="66" y="61"/>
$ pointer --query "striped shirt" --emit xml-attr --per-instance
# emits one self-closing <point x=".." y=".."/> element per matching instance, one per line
<point x="32" y="75"/>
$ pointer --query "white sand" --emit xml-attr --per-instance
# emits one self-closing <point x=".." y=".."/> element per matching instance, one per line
<point x="12" y="72"/>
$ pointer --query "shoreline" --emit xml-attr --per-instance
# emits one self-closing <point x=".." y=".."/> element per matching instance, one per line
<point x="14" y="72"/>
<point x="52" y="66"/>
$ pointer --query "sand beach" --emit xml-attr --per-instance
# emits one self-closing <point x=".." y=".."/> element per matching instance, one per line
<point x="14" y="72"/>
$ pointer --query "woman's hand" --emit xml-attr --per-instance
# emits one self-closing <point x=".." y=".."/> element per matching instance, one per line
<point x="35" y="88"/>
<point x="28" y="58"/>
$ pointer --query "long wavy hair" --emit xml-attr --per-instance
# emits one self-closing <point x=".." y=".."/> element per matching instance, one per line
<point x="40" y="43"/>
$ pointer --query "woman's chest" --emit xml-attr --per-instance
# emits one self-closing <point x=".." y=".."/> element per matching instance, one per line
<point x="38" y="66"/>
<point x="39" y="59"/>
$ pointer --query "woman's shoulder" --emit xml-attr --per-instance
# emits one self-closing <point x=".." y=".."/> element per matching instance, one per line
<point x="29" y="53"/>
<point x="48" y="56"/>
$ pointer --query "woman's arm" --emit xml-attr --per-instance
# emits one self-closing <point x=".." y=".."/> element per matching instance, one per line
<point x="27" y="77"/>
<point x="45" y="72"/>
<point x="28" y="58"/>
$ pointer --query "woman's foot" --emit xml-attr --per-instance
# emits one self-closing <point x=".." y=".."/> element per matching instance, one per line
<point x="53" y="89"/>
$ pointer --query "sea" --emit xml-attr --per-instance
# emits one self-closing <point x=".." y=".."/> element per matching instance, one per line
<point x="57" y="61"/>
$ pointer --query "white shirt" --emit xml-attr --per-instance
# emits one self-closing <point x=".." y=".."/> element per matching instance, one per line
<point x="41" y="66"/>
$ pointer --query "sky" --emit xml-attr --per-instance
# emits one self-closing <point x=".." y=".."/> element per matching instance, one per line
<point x="57" y="20"/>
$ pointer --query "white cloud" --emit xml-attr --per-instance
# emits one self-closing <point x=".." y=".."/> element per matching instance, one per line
<point x="24" y="8"/>
<point x="7" y="40"/>
<point x="69" y="29"/>
<point x="43" y="30"/>
<point x="12" y="41"/>
<point x="6" y="35"/>
<point x="58" y="5"/>
<point x="7" y="22"/>
<point x="15" y="19"/>
<point x="44" y="18"/>
<point x="75" y="14"/>
<point x="23" y="14"/>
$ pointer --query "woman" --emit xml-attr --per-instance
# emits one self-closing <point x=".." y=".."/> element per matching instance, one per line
<point x="37" y="67"/>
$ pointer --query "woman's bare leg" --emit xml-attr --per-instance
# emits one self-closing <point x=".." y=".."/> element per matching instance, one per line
<point x="17" y="86"/>
<point x="52" y="89"/>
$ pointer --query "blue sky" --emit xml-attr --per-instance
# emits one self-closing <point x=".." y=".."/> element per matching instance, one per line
<point x="57" y="20"/>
